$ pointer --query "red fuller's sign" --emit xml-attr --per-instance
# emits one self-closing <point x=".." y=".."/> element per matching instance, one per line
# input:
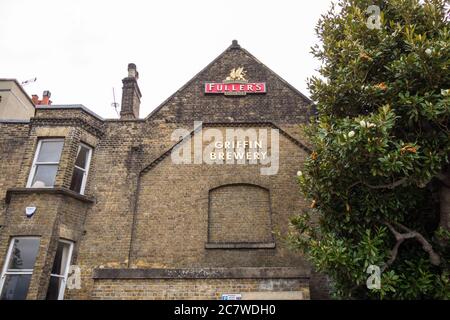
<point x="235" y="84"/>
<point x="235" y="88"/>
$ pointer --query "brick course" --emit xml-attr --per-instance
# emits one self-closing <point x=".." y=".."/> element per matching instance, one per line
<point x="189" y="289"/>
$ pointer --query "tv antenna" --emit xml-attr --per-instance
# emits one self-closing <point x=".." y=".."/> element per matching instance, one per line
<point x="24" y="83"/>
<point x="115" y="104"/>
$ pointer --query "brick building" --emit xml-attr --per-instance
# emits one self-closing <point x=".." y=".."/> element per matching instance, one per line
<point x="15" y="104"/>
<point x="105" y="200"/>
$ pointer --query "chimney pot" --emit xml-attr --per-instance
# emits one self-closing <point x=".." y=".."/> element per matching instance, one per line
<point x="235" y="44"/>
<point x="35" y="99"/>
<point x="46" y="98"/>
<point x="132" y="72"/>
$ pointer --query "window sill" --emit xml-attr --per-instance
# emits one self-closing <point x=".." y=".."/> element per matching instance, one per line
<point x="240" y="245"/>
<point x="59" y="190"/>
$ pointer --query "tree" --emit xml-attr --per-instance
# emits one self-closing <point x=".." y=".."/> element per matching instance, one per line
<point x="379" y="176"/>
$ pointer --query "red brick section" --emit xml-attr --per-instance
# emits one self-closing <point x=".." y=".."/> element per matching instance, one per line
<point x="45" y="99"/>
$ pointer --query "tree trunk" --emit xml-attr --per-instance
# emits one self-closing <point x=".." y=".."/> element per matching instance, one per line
<point x="444" y="203"/>
<point x="444" y="199"/>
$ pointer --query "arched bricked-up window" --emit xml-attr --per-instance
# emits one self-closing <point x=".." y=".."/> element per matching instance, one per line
<point x="239" y="213"/>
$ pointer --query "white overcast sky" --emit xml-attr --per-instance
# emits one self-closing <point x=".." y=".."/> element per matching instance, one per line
<point x="79" y="50"/>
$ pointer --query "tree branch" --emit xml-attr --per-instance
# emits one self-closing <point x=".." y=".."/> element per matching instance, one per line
<point x="426" y="246"/>
<point x="400" y="237"/>
<point x="387" y="186"/>
<point x="382" y="186"/>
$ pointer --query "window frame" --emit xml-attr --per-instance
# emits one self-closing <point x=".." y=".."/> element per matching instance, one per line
<point x="6" y="271"/>
<point x="35" y="164"/>
<point x="63" y="277"/>
<point x="86" y="170"/>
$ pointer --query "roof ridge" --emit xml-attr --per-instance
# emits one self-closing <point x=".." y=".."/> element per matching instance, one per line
<point x="232" y="46"/>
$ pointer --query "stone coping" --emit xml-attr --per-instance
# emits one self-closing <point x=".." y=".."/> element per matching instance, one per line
<point x="70" y="106"/>
<point x="62" y="191"/>
<point x="203" y="273"/>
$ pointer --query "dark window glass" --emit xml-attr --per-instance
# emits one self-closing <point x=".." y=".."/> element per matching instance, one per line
<point x="56" y="269"/>
<point x="54" y="288"/>
<point x="20" y="264"/>
<point x="15" y="286"/>
<point x="82" y="157"/>
<point x="58" y="274"/>
<point x="77" y="180"/>
<point x="24" y="252"/>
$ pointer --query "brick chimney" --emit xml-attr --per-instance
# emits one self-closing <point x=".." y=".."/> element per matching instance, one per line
<point x="131" y="95"/>
<point x="35" y="99"/>
<point x="45" y="99"/>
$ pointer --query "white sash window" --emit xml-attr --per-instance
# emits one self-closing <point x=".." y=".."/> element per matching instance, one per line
<point x="18" y="268"/>
<point x="60" y="270"/>
<point x="81" y="169"/>
<point x="45" y="163"/>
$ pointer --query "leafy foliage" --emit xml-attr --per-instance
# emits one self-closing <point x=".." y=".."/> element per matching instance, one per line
<point x="380" y="137"/>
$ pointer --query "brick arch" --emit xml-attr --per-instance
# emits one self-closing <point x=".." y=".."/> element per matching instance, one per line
<point x="252" y="184"/>
<point x="239" y="213"/>
<point x="256" y="181"/>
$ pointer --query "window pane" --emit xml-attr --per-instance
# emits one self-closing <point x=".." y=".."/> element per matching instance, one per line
<point x="82" y="157"/>
<point x="60" y="262"/>
<point x="24" y="252"/>
<point x="53" y="288"/>
<point x="15" y="287"/>
<point x="45" y="176"/>
<point x="50" y="151"/>
<point x="77" y="180"/>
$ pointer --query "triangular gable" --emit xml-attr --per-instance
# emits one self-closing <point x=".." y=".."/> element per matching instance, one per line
<point x="219" y="68"/>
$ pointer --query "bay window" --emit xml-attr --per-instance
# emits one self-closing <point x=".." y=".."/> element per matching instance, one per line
<point x="45" y="163"/>
<point x="81" y="169"/>
<point x="18" y="268"/>
<point x="60" y="271"/>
